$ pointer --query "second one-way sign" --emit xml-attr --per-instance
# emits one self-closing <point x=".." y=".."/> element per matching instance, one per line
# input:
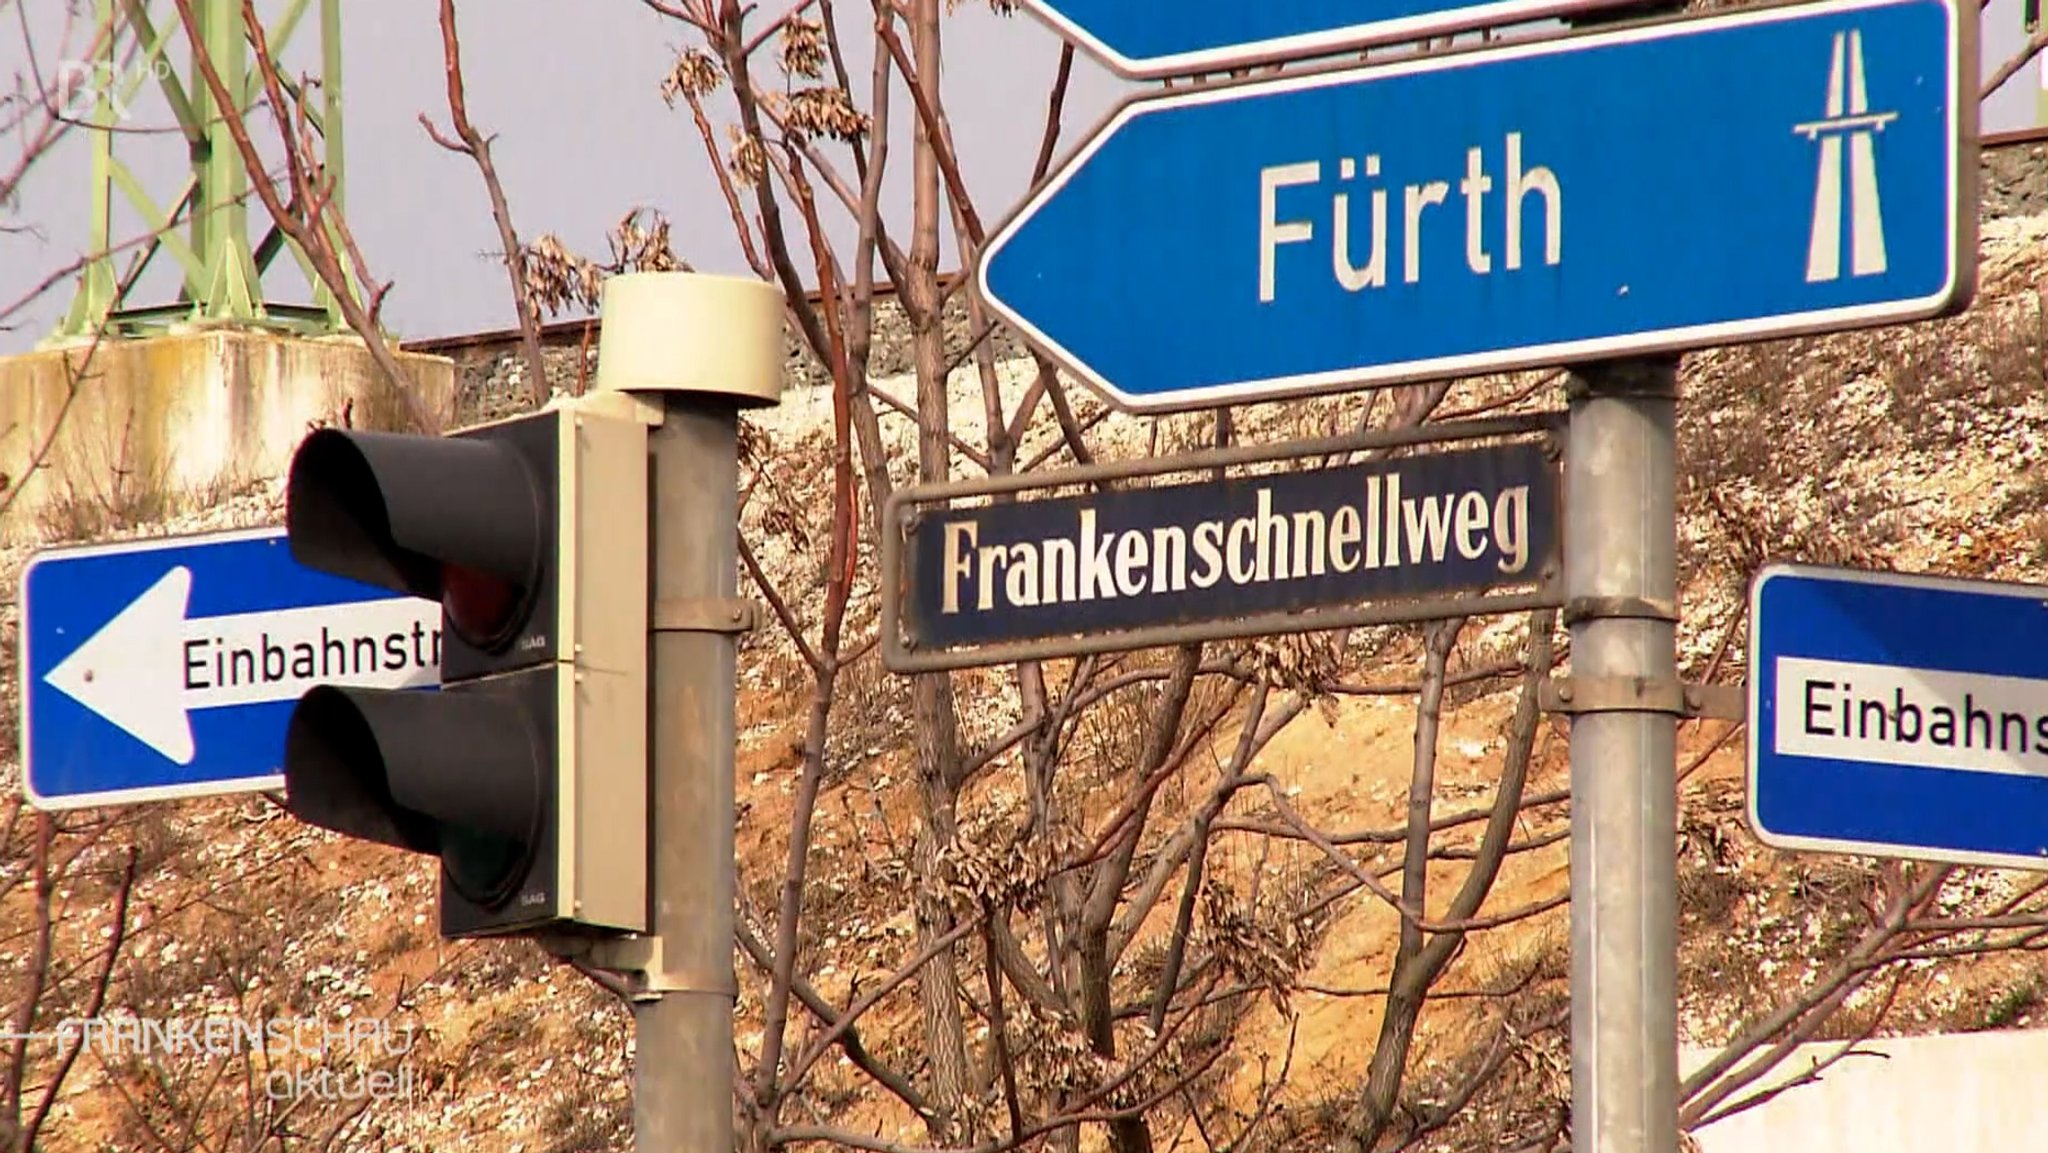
<point x="1799" y="168"/>
<point x="162" y="668"/>
<point x="1899" y="715"/>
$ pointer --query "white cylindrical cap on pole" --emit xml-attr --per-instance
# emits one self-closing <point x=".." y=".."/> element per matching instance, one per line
<point x="691" y="332"/>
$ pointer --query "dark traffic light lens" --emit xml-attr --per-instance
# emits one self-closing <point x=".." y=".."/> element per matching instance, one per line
<point x="482" y="609"/>
<point x="488" y="854"/>
<point x="483" y="867"/>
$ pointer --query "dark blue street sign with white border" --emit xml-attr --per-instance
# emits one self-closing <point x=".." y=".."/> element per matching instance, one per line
<point x="161" y="668"/>
<point x="1899" y="716"/>
<point x="1794" y="169"/>
<point x="1428" y="524"/>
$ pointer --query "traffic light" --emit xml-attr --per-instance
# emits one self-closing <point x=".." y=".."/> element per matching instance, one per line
<point x="526" y="772"/>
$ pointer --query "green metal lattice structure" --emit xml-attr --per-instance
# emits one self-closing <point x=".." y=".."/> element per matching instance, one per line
<point x="205" y="228"/>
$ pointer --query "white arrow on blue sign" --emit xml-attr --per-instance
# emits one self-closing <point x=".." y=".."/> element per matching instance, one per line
<point x="1899" y="715"/>
<point x="1154" y="38"/>
<point x="163" y="668"/>
<point x="1797" y="169"/>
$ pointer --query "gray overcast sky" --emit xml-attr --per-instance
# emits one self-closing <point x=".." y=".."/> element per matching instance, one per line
<point x="582" y="137"/>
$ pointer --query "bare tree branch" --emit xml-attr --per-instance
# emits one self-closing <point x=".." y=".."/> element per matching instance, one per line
<point x="2011" y="67"/>
<point x="95" y="1002"/>
<point x="473" y="144"/>
<point x="1782" y="1031"/>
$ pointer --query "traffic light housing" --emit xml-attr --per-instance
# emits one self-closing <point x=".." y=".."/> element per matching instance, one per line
<point x="526" y="772"/>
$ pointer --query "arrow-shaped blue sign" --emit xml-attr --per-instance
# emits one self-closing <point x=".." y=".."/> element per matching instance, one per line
<point x="1153" y="38"/>
<point x="168" y="667"/>
<point x="1795" y="169"/>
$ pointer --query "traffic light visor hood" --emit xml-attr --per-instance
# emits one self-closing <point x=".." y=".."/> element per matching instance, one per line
<point x="334" y="775"/>
<point x="452" y="519"/>
<point x="458" y="775"/>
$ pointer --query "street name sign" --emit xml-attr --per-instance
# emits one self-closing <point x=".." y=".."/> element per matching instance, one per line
<point x="1146" y="39"/>
<point x="1658" y="187"/>
<point x="1233" y="556"/>
<point x="162" y="668"/>
<point x="1899" y="716"/>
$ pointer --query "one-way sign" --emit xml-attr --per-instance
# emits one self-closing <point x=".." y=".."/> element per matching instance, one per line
<point x="1792" y="169"/>
<point x="168" y="667"/>
<point x="1899" y="715"/>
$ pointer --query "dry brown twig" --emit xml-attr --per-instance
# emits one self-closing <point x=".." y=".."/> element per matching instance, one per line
<point x="2011" y="67"/>
<point x="475" y="145"/>
<point x="38" y="120"/>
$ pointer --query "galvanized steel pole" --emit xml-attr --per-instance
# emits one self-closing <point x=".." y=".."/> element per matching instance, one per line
<point x="1621" y="607"/>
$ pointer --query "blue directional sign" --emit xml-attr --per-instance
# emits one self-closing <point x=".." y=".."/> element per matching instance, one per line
<point x="1152" y="38"/>
<point x="1897" y="715"/>
<point x="163" y="668"/>
<point x="1800" y="168"/>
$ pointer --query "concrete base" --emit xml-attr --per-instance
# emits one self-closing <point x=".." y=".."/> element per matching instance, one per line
<point x="151" y="425"/>
<point x="1956" y="1093"/>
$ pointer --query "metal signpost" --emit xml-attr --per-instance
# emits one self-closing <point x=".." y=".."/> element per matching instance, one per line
<point x="169" y="667"/>
<point x="1316" y="232"/>
<point x="1254" y="555"/>
<point x="1160" y="38"/>
<point x="1624" y="699"/>
<point x="1874" y="731"/>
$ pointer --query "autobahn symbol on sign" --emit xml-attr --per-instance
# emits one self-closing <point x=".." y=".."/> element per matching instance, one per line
<point x="163" y="668"/>
<point x="1899" y="715"/>
<point x="1311" y="233"/>
<point x="1849" y="120"/>
<point x="1156" y="38"/>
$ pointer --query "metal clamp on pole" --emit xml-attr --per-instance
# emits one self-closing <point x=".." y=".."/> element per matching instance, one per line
<point x="645" y="965"/>
<point x="1574" y="696"/>
<point x="1618" y="608"/>
<point x="641" y="961"/>
<point x="705" y="615"/>
<point x="1578" y="695"/>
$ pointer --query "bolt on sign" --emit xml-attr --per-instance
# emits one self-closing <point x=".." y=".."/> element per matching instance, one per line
<point x="1230" y="556"/>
